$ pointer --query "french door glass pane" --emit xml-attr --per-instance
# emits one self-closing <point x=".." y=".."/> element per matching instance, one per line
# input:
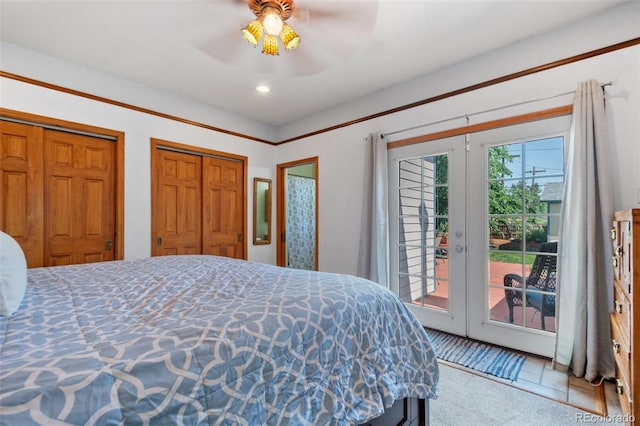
<point x="524" y="186"/>
<point x="423" y="224"/>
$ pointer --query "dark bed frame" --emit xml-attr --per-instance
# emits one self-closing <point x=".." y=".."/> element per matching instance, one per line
<point x="404" y="412"/>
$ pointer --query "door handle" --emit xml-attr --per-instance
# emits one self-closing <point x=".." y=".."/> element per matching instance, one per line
<point x="159" y="241"/>
<point x="108" y="244"/>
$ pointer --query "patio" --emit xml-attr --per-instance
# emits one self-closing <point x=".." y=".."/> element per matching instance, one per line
<point x="498" y="309"/>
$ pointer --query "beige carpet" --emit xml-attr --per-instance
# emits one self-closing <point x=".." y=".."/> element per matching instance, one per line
<point x="469" y="399"/>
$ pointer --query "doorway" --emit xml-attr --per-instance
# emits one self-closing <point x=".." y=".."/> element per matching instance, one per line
<point x="467" y="211"/>
<point x="297" y="214"/>
<point x="199" y="202"/>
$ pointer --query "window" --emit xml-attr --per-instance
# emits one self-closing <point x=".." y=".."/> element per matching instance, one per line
<point x="423" y="225"/>
<point x="525" y="186"/>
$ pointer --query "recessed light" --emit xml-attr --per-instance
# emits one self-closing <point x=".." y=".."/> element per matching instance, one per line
<point x="262" y="88"/>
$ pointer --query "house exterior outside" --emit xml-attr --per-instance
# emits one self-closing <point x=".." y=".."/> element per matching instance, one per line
<point x="552" y="195"/>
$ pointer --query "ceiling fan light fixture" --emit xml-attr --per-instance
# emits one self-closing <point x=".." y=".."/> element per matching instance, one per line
<point x="270" y="45"/>
<point x="253" y="32"/>
<point x="271" y="16"/>
<point x="289" y="37"/>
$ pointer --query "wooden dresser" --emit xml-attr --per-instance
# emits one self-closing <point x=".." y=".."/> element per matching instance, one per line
<point x="625" y="315"/>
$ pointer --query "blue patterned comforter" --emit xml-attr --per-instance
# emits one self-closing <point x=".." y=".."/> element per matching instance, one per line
<point x="207" y="340"/>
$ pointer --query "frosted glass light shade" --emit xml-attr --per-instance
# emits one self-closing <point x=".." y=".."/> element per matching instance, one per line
<point x="270" y="45"/>
<point x="289" y="37"/>
<point x="253" y="32"/>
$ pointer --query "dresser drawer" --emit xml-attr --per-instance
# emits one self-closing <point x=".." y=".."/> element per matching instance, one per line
<point x="621" y="309"/>
<point x="625" y="252"/>
<point x="621" y="351"/>
<point x="622" y="388"/>
<point x="625" y="323"/>
<point x="617" y="248"/>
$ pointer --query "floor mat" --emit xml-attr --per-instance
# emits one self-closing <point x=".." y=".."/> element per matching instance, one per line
<point x="476" y="355"/>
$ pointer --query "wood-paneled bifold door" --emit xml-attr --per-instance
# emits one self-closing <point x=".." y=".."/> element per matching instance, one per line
<point x="199" y="203"/>
<point x="58" y="194"/>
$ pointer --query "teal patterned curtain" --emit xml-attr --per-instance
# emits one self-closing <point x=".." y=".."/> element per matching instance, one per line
<point x="301" y="222"/>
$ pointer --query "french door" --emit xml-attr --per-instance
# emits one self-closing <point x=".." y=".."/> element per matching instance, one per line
<point x="427" y="206"/>
<point x="465" y="212"/>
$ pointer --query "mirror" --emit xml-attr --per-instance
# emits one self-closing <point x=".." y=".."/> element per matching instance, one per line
<point x="261" y="211"/>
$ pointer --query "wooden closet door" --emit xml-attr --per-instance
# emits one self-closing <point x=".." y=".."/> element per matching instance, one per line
<point x="21" y="196"/>
<point x="177" y="209"/>
<point x="223" y="207"/>
<point x="79" y="194"/>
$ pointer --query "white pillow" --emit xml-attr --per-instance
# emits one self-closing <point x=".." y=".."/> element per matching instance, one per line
<point x="13" y="275"/>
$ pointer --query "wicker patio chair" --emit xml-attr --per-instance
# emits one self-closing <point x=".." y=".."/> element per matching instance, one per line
<point x="542" y="278"/>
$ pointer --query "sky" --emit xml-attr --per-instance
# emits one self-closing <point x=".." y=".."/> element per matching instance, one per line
<point x="543" y="160"/>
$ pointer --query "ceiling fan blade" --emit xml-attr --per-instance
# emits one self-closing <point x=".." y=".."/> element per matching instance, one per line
<point x="301" y="62"/>
<point x="241" y="3"/>
<point x="337" y="27"/>
<point x="332" y="32"/>
<point x="332" y="12"/>
<point x="222" y="40"/>
<point x="219" y="47"/>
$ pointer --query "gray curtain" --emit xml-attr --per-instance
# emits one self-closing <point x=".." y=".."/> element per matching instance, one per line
<point x="585" y="271"/>
<point x="373" y="259"/>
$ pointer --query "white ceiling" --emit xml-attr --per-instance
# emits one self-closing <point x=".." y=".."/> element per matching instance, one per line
<point x="349" y="48"/>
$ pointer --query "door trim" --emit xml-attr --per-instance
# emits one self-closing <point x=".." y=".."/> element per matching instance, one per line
<point x="487" y="125"/>
<point x="157" y="144"/>
<point x="118" y="139"/>
<point x="281" y="224"/>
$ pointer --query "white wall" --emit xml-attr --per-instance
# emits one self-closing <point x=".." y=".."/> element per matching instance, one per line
<point x="138" y="128"/>
<point x="341" y="151"/>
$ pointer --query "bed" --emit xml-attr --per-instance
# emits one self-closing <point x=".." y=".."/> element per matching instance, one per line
<point x="210" y="340"/>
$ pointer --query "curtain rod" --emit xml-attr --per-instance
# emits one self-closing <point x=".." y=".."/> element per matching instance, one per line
<point x="603" y="85"/>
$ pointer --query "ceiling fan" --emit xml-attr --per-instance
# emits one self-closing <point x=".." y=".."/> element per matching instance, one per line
<point x="271" y="17"/>
<point x="332" y="31"/>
